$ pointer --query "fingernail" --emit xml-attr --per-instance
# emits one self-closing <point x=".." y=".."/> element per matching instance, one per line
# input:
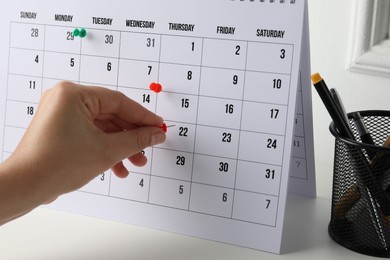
<point x="158" y="138"/>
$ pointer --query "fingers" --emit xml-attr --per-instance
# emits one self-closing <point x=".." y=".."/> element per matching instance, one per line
<point x="120" y="170"/>
<point x="102" y="102"/>
<point x="126" y="144"/>
<point x="138" y="159"/>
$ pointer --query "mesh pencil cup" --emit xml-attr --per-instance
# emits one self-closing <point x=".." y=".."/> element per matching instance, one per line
<point x="360" y="215"/>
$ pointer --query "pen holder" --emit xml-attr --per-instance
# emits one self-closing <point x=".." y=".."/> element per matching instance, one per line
<point x="360" y="216"/>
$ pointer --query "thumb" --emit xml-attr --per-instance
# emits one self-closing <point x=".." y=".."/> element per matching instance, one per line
<point x="127" y="143"/>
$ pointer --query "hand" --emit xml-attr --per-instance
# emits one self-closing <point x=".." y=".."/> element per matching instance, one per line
<point x="77" y="133"/>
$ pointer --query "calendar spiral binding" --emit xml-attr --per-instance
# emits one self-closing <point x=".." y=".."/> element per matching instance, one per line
<point x="358" y="220"/>
<point x="270" y="1"/>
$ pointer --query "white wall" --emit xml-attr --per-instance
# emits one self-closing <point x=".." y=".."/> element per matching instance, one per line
<point x="330" y="29"/>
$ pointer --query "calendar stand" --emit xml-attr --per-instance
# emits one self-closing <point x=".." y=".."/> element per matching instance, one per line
<point x="229" y="87"/>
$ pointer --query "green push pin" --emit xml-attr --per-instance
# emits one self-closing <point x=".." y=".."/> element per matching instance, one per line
<point x="80" y="32"/>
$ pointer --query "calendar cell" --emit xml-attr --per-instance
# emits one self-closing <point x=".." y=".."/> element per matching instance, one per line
<point x="99" y="70"/>
<point x="180" y="137"/>
<point x="215" y="171"/>
<point x="133" y="187"/>
<point x="61" y="39"/>
<point x="222" y="83"/>
<point x="298" y="168"/>
<point x="24" y="88"/>
<point x="298" y="147"/>
<point x="267" y="87"/>
<point x="179" y="78"/>
<point x="27" y="36"/>
<point x="217" y="141"/>
<point x="144" y="169"/>
<point x="101" y="43"/>
<point x="254" y="207"/>
<point x="19" y="114"/>
<point x="171" y="193"/>
<point x="140" y="46"/>
<point x="177" y="107"/>
<point x="224" y="54"/>
<point x="278" y="57"/>
<point x="12" y="137"/>
<point x="299" y="106"/>
<point x="172" y="164"/>
<point x="25" y="62"/>
<point x="211" y="200"/>
<point x="264" y="148"/>
<point x="137" y="74"/>
<point x="269" y="118"/>
<point x="298" y="130"/>
<point x="69" y="64"/>
<point x="181" y="50"/>
<point x="144" y="97"/>
<point x="99" y="185"/>
<point x="219" y="112"/>
<point x="256" y="177"/>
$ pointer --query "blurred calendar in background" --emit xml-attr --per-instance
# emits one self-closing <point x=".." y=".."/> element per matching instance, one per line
<point x="234" y="79"/>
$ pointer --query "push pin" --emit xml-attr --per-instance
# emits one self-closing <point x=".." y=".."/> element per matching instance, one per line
<point x="156" y="87"/>
<point x="164" y="127"/>
<point x="80" y="32"/>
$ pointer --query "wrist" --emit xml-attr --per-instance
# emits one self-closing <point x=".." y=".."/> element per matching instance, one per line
<point x="20" y="191"/>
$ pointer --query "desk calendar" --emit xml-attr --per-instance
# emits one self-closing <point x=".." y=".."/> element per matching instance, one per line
<point x="235" y="85"/>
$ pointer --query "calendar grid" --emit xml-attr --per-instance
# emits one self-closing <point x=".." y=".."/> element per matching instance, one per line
<point x="227" y="193"/>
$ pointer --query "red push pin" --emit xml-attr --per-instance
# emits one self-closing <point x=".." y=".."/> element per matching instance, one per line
<point x="156" y="87"/>
<point x="164" y="127"/>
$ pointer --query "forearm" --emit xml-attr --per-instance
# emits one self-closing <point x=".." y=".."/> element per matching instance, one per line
<point x="19" y="193"/>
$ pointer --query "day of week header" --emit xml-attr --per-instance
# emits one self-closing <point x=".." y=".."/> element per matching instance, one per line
<point x="225" y="30"/>
<point x="140" y="24"/>
<point x="181" y="27"/>
<point x="102" y="20"/>
<point x="270" y="33"/>
<point x="28" y="15"/>
<point x="63" y="18"/>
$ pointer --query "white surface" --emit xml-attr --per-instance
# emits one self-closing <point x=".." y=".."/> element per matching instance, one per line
<point x="48" y="234"/>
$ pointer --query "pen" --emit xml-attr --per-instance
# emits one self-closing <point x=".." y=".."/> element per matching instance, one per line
<point x="336" y="97"/>
<point x="364" y="134"/>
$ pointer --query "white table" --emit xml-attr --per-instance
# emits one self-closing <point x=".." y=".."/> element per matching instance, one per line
<point x="48" y="234"/>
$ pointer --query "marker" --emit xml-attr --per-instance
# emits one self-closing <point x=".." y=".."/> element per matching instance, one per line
<point x="338" y="118"/>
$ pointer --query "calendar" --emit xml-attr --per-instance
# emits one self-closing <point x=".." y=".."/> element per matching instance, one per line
<point x="233" y="82"/>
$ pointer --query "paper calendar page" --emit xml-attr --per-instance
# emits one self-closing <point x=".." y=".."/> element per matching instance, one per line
<point x="229" y="72"/>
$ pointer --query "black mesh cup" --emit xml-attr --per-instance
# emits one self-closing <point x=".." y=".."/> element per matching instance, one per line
<point x="360" y="215"/>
